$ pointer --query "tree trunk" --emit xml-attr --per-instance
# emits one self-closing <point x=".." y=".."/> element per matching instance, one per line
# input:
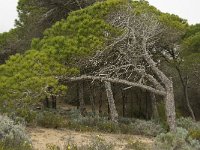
<point x="170" y="107"/>
<point x="124" y="101"/>
<point x="132" y="103"/>
<point x="185" y="91"/>
<point x="81" y="99"/>
<point x="54" y="104"/>
<point x="46" y="102"/>
<point x="111" y="102"/>
<point x="100" y="101"/>
<point x="155" y="114"/>
<point x="188" y="102"/>
<point x="77" y="95"/>
<point x="146" y="109"/>
<point x="92" y="101"/>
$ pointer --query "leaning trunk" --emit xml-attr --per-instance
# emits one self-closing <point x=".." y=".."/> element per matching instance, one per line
<point x="111" y="102"/>
<point x="185" y="91"/>
<point x="188" y="102"/>
<point x="170" y="107"/>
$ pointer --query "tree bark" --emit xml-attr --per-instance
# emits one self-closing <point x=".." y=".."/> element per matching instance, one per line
<point x="54" y="102"/>
<point x="116" y="80"/>
<point x="146" y="109"/>
<point x="124" y="101"/>
<point x="169" y="97"/>
<point x="185" y="86"/>
<point x="111" y="102"/>
<point x="185" y="91"/>
<point x="92" y="101"/>
<point x="155" y="114"/>
<point x="170" y="107"/>
<point x="77" y="96"/>
<point x="100" y="100"/>
<point x="46" y="102"/>
<point x="81" y="99"/>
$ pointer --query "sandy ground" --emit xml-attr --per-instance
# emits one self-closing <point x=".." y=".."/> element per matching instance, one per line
<point x="42" y="136"/>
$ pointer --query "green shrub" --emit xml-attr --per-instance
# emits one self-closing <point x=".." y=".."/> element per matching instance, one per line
<point x="50" y="119"/>
<point x="13" y="136"/>
<point x="187" y="123"/>
<point x="149" y="128"/>
<point x="28" y="115"/>
<point x="179" y="141"/>
<point x="195" y="134"/>
<point x="102" y="124"/>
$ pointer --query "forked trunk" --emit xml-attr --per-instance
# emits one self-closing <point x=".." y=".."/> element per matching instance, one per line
<point x="111" y="102"/>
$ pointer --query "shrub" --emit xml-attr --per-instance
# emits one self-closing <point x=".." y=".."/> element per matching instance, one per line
<point x="149" y="128"/>
<point x="50" y="119"/>
<point x="195" y="134"/>
<point x="187" y="123"/>
<point x="179" y="140"/>
<point x="28" y="115"/>
<point x="13" y="136"/>
<point x="125" y="125"/>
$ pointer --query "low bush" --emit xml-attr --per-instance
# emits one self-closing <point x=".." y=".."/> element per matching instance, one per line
<point x="179" y="141"/>
<point x="192" y="126"/>
<point x="50" y="119"/>
<point x="149" y="128"/>
<point x="13" y="136"/>
<point x="125" y="125"/>
<point x="187" y="123"/>
<point x="195" y="134"/>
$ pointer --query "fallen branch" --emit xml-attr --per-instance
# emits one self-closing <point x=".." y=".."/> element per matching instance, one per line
<point x="115" y="80"/>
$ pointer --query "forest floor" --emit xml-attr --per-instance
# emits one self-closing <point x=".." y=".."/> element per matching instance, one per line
<point x="43" y="136"/>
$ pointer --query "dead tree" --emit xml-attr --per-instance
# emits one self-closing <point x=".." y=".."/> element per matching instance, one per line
<point x="131" y="55"/>
<point x="128" y="59"/>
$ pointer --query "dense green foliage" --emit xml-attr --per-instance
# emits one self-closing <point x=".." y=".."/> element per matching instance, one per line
<point x="25" y="78"/>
